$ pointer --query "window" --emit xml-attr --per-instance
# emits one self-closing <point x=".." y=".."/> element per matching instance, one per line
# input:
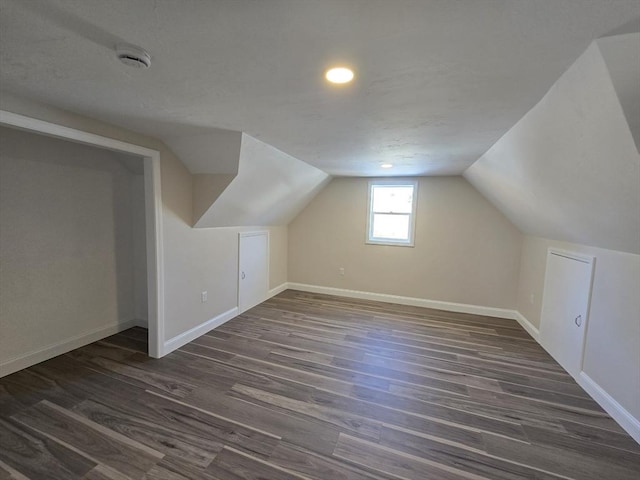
<point x="392" y="212"/>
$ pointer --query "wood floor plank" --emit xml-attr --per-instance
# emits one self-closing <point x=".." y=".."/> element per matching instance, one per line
<point x="451" y="415"/>
<point x="172" y="468"/>
<point x="102" y="472"/>
<point x="7" y="472"/>
<point x="425" y="348"/>
<point x="431" y="367"/>
<point x="460" y="433"/>
<point x="25" y="388"/>
<point x="388" y="414"/>
<point x="560" y="461"/>
<point x="456" y="456"/>
<point x="199" y="450"/>
<point x="356" y="424"/>
<point x="199" y="427"/>
<point x="331" y="371"/>
<point x="601" y="436"/>
<point x="594" y="418"/>
<point x="523" y="417"/>
<point x="91" y="440"/>
<point x="311" y="434"/>
<point x="562" y="441"/>
<point x="126" y="342"/>
<point x="36" y="456"/>
<point x="142" y="377"/>
<point x="242" y="366"/>
<point x="582" y="401"/>
<point x="396" y="463"/>
<point x="234" y="465"/>
<point x="312" y="351"/>
<point x="315" y="466"/>
<point x="316" y="387"/>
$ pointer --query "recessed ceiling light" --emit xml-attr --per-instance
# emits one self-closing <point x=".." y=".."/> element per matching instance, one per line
<point x="339" y="75"/>
<point x="386" y="165"/>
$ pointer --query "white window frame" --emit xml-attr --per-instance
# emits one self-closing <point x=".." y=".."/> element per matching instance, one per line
<point x="399" y="182"/>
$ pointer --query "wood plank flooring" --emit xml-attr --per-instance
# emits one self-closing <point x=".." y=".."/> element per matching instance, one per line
<point x="308" y="386"/>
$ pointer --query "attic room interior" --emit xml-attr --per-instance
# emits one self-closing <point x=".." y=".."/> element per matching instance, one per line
<point x="218" y="261"/>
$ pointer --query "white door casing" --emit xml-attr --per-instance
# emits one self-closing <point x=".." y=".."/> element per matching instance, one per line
<point x="253" y="269"/>
<point x="153" y="216"/>
<point x="565" y="307"/>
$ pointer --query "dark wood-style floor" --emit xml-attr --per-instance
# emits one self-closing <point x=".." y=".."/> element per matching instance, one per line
<point x="309" y="386"/>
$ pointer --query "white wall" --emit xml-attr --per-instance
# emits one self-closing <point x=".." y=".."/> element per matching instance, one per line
<point x="569" y="169"/>
<point x="66" y="242"/>
<point x="139" y="250"/>
<point x="621" y="53"/>
<point x="199" y="259"/>
<point x="195" y="259"/>
<point x="568" y="175"/>
<point x="271" y="188"/>
<point x="465" y="250"/>
<point x="612" y="352"/>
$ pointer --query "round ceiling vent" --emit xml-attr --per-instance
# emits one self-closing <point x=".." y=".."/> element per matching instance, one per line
<point x="133" y="56"/>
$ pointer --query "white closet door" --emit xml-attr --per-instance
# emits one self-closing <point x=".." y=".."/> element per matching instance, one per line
<point x="565" y="306"/>
<point x="253" y="271"/>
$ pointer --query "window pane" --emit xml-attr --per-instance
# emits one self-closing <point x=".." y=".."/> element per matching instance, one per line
<point x="389" y="198"/>
<point x="394" y="227"/>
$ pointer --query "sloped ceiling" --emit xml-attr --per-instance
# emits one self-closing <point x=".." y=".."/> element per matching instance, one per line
<point x="271" y="188"/>
<point x="569" y="169"/>
<point x="210" y="151"/>
<point x="437" y="81"/>
<point x="621" y="53"/>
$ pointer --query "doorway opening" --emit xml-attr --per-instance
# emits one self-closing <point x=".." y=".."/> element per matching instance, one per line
<point x="145" y="164"/>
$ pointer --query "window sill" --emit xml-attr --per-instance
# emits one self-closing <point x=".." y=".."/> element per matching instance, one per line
<point x="389" y="243"/>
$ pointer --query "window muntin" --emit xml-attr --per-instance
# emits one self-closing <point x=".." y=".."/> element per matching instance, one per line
<point x="392" y="207"/>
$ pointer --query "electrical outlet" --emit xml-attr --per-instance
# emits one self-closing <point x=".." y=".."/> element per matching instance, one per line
<point x="204" y="296"/>
<point x="341" y="271"/>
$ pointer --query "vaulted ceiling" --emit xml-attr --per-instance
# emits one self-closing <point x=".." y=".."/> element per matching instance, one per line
<point x="438" y="82"/>
<point x="570" y="168"/>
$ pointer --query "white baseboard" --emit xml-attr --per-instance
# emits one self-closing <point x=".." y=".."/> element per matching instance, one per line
<point x="528" y="326"/>
<point x="195" y="332"/>
<point x="190" y="335"/>
<point x="611" y="406"/>
<point x="141" y="322"/>
<point x="279" y="289"/>
<point x="415" y="302"/>
<point x="14" y="364"/>
<point x="627" y="421"/>
<point x="28" y="359"/>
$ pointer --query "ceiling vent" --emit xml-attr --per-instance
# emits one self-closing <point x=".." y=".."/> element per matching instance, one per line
<point x="133" y="56"/>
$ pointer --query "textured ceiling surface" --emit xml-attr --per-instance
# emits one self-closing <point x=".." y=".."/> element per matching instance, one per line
<point x="569" y="170"/>
<point x="621" y="53"/>
<point x="437" y="81"/>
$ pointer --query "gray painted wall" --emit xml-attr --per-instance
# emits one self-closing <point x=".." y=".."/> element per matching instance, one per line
<point x="195" y="259"/>
<point x="69" y="247"/>
<point x="569" y="169"/>
<point x="568" y="174"/>
<point x="465" y="250"/>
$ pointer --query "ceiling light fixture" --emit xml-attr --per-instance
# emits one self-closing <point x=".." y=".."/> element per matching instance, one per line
<point x="339" y="75"/>
<point x="386" y="165"/>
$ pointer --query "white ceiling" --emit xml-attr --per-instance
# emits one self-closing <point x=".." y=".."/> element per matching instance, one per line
<point x="621" y="53"/>
<point x="271" y="188"/>
<point x="569" y="170"/>
<point x="437" y="81"/>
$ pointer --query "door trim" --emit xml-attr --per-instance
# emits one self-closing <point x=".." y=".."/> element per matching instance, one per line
<point x="582" y="258"/>
<point x="252" y="233"/>
<point x="153" y="208"/>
